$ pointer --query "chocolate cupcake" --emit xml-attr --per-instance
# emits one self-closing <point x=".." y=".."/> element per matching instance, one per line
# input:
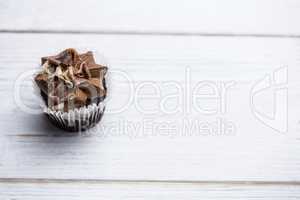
<point x="73" y="88"/>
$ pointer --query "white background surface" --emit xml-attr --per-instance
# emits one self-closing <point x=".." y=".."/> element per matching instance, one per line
<point x="218" y="41"/>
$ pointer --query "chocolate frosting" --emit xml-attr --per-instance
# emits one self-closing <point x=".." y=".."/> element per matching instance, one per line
<point x="71" y="80"/>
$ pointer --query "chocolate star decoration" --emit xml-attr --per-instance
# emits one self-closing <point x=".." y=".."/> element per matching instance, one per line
<point x="71" y="80"/>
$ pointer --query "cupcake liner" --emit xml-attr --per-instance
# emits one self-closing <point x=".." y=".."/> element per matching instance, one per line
<point x="79" y="119"/>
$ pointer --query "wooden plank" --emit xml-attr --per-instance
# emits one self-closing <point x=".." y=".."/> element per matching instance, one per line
<point x="112" y="190"/>
<point x="252" y="152"/>
<point x="266" y="17"/>
<point x="150" y="159"/>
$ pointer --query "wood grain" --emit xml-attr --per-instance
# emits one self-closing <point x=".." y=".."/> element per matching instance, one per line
<point x="256" y="17"/>
<point x="134" y="154"/>
<point x="66" y="191"/>
<point x="254" y="152"/>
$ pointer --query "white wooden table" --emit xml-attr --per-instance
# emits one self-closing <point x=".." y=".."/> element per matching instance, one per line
<point x="240" y="58"/>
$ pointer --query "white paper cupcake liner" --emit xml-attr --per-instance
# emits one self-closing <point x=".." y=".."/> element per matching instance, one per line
<point x="78" y="119"/>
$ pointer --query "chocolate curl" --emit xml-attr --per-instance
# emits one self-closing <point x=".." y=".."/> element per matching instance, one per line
<point x="71" y="74"/>
<point x="66" y="57"/>
<point x="69" y="56"/>
<point x="83" y="71"/>
<point x="42" y="82"/>
<point x="88" y="58"/>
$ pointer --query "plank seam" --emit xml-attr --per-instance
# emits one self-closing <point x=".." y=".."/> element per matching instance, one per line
<point x="120" y="181"/>
<point x="149" y="33"/>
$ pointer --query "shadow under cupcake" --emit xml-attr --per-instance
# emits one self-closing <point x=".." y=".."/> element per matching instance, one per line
<point x="73" y="88"/>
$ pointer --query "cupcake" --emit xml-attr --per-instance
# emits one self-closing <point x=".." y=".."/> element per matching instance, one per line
<point x="72" y="86"/>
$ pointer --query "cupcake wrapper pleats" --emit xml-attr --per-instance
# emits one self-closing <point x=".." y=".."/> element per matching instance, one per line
<point x="78" y="119"/>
